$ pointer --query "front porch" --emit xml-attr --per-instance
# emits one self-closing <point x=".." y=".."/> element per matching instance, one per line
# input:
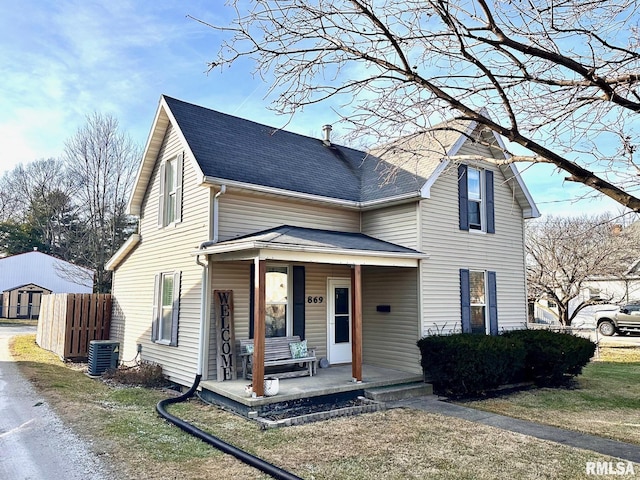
<point x="334" y="380"/>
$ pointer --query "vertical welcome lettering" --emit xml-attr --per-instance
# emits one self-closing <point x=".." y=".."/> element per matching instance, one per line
<point x="225" y="338"/>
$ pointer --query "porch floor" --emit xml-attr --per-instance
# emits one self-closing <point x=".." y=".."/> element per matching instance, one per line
<point x="328" y="381"/>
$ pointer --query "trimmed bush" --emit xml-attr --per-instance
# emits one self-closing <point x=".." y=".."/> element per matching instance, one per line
<point x="552" y="356"/>
<point x="146" y="374"/>
<point x="468" y="364"/>
<point x="464" y="365"/>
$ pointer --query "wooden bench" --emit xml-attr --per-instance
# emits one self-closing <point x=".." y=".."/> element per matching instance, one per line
<point x="277" y="353"/>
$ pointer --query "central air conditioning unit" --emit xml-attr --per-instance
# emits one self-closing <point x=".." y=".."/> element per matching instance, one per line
<point x="103" y="355"/>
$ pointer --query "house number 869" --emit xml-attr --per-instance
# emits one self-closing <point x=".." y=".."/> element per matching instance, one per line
<point x="311" y="299"/>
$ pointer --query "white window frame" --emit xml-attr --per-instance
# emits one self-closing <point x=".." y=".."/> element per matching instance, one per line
<point x="480" y="200"/>
<point x="163" y="337"/>
<point x="171" y="191"/>
<point x="484" y="304"/>
<point x="289" y="302"/>
<point x="170" y="194"/>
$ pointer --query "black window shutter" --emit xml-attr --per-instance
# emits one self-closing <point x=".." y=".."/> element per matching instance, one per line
<point x="490" y="204"/>
<point x="493" y="303"/>
<point x="175" y="309"/>
<point x="298" y="301"/>
<point x="463" y="197"/>
<point x="252" y="289"/>
<point x="465" y="301"/>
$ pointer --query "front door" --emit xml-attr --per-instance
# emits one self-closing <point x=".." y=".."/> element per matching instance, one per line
<point x="339" y="321"/>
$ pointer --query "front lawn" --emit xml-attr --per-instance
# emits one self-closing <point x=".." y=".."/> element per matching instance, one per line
<point x="123" y="427"/>
<point x="605" y="400"/>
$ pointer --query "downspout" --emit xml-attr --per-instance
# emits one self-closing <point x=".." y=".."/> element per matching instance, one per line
<point x="203" y="315"/>
<point x="216" y="209"/>
<point x="212" y="440"/>
<point x="204" y="307"/>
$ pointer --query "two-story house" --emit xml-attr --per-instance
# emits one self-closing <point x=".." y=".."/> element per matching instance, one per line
<point x="359" y="254"/>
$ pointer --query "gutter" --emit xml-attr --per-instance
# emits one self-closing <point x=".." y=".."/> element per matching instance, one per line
<point x="216" y="212"/>
<point x="256" y="245"/>
<point x="351" y="204"/>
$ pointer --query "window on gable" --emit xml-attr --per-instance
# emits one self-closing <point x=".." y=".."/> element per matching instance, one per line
<point x="475" y="199"/>
<point x="170" y="188"/>
<point x="166" y="306"/>
<point x="170" y="197"/>
<point x="474" y="190"/>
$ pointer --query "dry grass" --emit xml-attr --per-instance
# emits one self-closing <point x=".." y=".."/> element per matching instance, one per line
<point x="398" y="444"/>
<point x="605" y="401"/>
<point x="15" y="322"/>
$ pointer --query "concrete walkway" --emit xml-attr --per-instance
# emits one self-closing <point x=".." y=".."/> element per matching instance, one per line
<point x="613" y="448"/>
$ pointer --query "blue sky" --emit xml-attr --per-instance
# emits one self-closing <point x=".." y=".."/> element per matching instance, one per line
<point x="63" y="60"/>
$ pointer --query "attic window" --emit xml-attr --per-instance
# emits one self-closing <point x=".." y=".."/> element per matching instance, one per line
<point x="171" y="187"/>
<point x="170" y="197"/>
<point x="475" y="198"/>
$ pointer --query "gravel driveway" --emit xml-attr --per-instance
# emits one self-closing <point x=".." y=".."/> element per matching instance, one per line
<point x="34" y="443"/>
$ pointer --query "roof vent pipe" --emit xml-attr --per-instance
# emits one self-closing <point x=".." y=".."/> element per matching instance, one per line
<point x="326" y="130"/>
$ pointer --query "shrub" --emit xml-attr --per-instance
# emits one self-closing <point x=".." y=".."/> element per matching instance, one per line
<point x="469" y="364"/>
<point x="552" y="357"/>
<point x="464" y="365"/>
<point x="145" y="374"/>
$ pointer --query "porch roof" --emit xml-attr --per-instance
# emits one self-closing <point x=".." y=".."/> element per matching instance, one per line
<point x="288" y="243"/>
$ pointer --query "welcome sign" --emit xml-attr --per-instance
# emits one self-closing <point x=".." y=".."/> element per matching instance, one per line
<point x="225" y="337"/>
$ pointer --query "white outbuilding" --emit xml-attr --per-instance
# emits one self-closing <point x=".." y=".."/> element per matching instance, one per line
<point x="25" y="277"/>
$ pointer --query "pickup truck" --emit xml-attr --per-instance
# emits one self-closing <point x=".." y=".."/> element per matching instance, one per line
<point x="622" y="320"/>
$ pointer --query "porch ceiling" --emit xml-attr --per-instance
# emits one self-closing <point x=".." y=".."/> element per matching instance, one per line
<point x="297" y="244"/>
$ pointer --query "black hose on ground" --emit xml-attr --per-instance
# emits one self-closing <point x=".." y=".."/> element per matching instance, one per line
<point x="225" y="447"/>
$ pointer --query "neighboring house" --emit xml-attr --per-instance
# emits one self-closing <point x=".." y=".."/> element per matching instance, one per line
<point x="360" y="267"/>
<point x="606" y="291"/>
<point x="25" y="277"/>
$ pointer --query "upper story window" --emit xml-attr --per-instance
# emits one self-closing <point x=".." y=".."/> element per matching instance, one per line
<point x="474" y="189"/>
<point x="170" y="197"/>
<point x="476" y="199"/>
<point x="170" y="188"/>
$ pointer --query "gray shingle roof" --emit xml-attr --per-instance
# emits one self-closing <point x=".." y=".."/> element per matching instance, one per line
<point x="287" y="235"/>
<point x="231" y="148"/>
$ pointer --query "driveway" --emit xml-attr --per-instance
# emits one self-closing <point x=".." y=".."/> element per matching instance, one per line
<point x="34" y="443"/>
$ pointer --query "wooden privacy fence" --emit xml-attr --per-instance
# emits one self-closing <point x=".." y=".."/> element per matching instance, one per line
<point x="69" y="321"/>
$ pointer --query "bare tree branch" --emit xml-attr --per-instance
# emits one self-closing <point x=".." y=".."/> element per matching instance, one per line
<point x="559" y="79"/>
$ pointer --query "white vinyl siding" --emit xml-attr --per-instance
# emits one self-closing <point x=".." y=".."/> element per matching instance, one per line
<point x="244" y="214"/>
<point x="230" y="276"/>
<point x="397" y="224"/>
<point x="163" y="250"/>
<point x="235" y="276"/>
<point x="451" y="249"/>
<point x="389" y="338"/>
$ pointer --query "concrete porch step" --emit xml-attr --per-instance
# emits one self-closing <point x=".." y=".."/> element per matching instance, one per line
<point x="399" y="392"/>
